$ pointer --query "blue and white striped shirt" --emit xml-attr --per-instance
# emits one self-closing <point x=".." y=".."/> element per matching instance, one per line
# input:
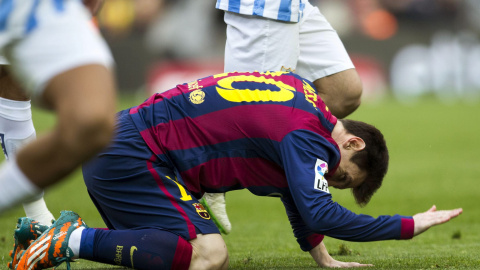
<point x="282" y="10"/>
<point x="21" y="16"/>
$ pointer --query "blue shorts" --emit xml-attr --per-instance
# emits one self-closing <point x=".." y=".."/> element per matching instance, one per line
<point x="133" y="189"/>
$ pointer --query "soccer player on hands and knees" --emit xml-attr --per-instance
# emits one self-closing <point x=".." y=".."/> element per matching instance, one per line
<point x="266" y="132"/>
<point x="287" y="35"/>
<point x="59" y="58"/>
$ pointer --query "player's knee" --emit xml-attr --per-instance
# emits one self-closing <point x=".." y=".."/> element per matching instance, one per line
<point x="87" y="134"/>
<point x="209" y="252"/>
<point x="341" y="92"/>
<point x="349" y="99"/>
<point x="97" y="130"/>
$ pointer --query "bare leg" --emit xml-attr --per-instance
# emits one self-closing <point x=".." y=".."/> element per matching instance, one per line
<point x="341" y="92"/>
<point x="82" y="97"/>
<point x="84" y="100"/>
<point x="16" y="129"/>
<point x="9" y="89"/>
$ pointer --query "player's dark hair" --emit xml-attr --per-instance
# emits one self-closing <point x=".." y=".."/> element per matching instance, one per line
<point x="373" y="159"/>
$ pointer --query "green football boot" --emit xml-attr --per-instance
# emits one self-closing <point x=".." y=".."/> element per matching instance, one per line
<point x="27" y="231"/>
<point x="51" y="248"/>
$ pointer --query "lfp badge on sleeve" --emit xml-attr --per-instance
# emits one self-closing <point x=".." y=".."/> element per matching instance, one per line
<point x="321" y="168"/>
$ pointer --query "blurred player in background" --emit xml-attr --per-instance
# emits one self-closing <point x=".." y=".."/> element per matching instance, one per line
<point x="266" y="132"/>
<point x="59" y="58"/>
<point x="16" y="130"/>
<point x="288" y="35"/>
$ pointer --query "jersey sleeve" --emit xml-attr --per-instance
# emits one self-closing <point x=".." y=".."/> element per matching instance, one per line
<point x="305" y="237"/>
<point x="303" y="154"/>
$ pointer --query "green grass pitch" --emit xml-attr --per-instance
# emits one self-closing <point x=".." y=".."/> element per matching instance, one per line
<point x="435" y="159"/>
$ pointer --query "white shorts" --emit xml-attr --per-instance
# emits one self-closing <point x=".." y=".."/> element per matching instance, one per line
<point x="45" y="40"/>
<point x="310" y="48"/>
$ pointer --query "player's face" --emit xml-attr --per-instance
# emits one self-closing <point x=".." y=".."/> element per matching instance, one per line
<point x="348" y="175"/>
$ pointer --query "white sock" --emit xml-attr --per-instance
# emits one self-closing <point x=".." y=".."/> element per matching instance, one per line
<point x="16" y="129"/>
<point x="15" y="187"/>
<point x="37" y="209"/>
<point x="16" y="125"/>
<point x="74" y="242"/>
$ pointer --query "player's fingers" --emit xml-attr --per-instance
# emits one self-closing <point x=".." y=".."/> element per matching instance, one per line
<point x="454" y="213"/>
<point x="444" y="216"/>
<point x="432" y="209"/>
<point x="428" y="219"/>
<point x="440" y="219"/>
<point x="449" y="213"/>
<point x="457" y="211"/>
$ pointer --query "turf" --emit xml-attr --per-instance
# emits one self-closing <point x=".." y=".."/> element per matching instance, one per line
<point x="434" y="160"/>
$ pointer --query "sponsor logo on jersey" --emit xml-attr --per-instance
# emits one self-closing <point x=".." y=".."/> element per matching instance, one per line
<point x="321" y="168"/>
<point x="197" y="96"/>
<point x="201" y="211"/>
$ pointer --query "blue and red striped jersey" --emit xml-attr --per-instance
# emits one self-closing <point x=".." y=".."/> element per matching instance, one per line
<point x="239" y="130"/>
<point x="267" y="132"/>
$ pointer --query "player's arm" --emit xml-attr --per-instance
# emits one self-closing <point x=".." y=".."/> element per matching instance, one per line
<point x="301" y="151"/>
<point x="306" y="238"/>
<point x="312" y="242"/>
<point x="423" y="221"/>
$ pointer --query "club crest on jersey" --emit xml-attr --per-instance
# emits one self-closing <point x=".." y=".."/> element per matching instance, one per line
<point x="321" y="168"/>
<point x="197" y="96"/>
<point x="201" y="211"/>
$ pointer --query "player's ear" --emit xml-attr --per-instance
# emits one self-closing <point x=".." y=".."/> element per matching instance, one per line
<point x="355" y="143"/>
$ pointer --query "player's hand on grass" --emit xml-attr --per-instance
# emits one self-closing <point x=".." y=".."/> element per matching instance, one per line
<point x="432" y="217"/>
<point x="338" y="264"/>
<point x="323" y="259"/>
